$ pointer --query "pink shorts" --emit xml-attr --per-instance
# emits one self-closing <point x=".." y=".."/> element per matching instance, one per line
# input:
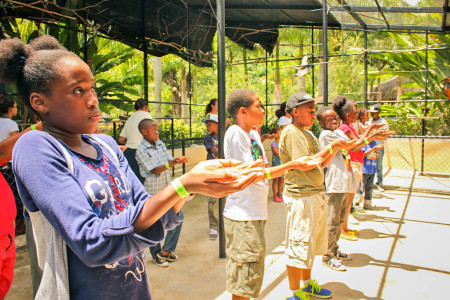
<point x="7" y="259"/>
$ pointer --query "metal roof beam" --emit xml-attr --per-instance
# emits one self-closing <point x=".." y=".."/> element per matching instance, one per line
<point x="347" y="8"/>
<point x="394" y="27"/>
<point x="262" y="6"/>
<point x="382" y="14"/>
<point x="422" y="10"/>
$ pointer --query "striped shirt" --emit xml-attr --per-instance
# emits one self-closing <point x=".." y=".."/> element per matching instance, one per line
<point x="150" y="157"/>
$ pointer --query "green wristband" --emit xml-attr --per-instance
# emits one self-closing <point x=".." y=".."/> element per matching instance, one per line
<point x="33" y="127"/>
<point x="167" y="165"/>
<point x="268" y="173"/>
<point x="330" y="149"/>
<point x="179" y="188"/>
<point x="366" y="141"/>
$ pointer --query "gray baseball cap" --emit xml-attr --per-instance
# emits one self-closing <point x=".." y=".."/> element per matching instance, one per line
<point x="375" y="108"/>
<point x="298" y="99"/>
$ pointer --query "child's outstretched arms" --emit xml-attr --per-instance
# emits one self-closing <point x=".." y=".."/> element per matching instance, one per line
<point x="216" y="178"/>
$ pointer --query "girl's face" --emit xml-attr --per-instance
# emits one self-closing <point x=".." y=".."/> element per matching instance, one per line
<point x="352" y="116"/>
<point x="72" y="106"/>
<point x="365" y="117"/>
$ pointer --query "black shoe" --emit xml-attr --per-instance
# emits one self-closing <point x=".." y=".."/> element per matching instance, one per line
<point x="169" y="257"/>
<point x="161" y="262"/>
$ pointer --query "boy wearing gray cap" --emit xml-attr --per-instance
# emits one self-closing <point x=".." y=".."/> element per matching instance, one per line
<point x="376" y="119"/>
<point x="306" y="225"/>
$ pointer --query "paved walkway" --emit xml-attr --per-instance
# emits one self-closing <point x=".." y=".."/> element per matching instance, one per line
<point x="401" y="253"/>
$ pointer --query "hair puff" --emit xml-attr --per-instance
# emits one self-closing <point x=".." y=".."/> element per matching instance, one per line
<point x="46" y="42"/>
<point x="11" y="51"/>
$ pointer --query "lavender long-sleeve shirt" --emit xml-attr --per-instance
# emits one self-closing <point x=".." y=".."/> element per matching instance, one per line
<point x="93" y="209"/>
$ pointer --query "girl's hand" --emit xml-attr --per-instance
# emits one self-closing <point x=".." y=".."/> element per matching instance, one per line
<point x="345" y="145"/>
<point x="220" y="177"/>
<point x="307" y="163"/>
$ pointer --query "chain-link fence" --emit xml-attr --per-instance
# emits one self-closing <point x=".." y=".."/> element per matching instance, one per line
<point x="426" y="154"/>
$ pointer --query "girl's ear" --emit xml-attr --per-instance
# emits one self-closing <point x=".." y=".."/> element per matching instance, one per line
<point x="39" y="103"/>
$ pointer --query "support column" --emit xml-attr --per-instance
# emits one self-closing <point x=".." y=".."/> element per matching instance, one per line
<point x="220" y="4"/>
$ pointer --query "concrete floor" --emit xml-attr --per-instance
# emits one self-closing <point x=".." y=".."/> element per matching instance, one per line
<point x="401" y="253"/>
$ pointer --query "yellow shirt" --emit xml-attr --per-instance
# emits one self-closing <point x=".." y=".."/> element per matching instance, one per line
<point x="294" y="143"/>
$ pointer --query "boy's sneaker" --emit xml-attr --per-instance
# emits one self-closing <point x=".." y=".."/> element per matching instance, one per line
<point x="343" y="256"/>
<point x="314" y="289"/>
<point x="169" y="257"/>
<point x="212" y="234"/>
<point x="348" y="237"/>
<point x="369" y="207"/>
<point x="335" y="264"/>
<point x="161" y="262"/>
<point x="299" y="296"/>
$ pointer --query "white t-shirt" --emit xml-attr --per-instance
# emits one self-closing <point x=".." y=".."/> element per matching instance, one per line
<point x="130" y="130"/>
<point x="339" y="177"/>
<point x="250" y="203"/>
<point x="379" y="121"/>
<point x="284" y="121"/>
<point x="6" y="127"/>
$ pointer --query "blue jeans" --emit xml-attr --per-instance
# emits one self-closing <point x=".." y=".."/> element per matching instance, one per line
<point x="171" y="241"/>
<point x="380" y="167"/>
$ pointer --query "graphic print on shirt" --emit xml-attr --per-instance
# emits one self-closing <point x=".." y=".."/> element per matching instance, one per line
<point x="108" y="201"/>
<point x="116" y="187"/>
<point x="256" y="149"/>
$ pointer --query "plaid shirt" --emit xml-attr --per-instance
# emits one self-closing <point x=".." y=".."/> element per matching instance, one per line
<point x="150" y="157"/>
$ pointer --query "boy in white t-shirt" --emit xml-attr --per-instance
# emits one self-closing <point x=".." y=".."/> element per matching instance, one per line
<point x="245" y="212"/>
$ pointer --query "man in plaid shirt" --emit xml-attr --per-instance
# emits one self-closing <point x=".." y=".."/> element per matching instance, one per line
<point x="155" y="162"/>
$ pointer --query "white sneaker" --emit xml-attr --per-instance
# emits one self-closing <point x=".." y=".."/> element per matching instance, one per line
<point x="352" y="220"/>
<point x="334" y="264"/>
<point x="212" y="234"/>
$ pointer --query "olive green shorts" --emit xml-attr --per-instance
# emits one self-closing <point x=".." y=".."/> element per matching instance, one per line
<point x="246" y="248"/>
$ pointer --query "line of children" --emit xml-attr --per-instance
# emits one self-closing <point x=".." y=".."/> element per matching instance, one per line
<point x="306" y="234"/>
<point x="154" y="162"/>
<point x="245" y="212"/>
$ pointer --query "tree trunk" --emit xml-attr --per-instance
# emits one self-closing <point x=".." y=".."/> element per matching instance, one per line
<point x="170" y="78"/>
<point x="244" y="54"/>
<point x="184" y="94"/>
<point x="278" y="97"/>
<point x="301" y="81"/>
<point x="157" y="74"/>
<point x="321" y="66"/>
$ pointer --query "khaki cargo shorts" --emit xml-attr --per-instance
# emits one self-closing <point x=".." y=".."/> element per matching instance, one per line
<point x="306" y="229"/>
<point x="246" y="249"/>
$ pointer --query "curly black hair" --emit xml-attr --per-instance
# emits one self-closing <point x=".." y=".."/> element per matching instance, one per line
<point x="342" y="105"/>
<point x="32" y="67"/>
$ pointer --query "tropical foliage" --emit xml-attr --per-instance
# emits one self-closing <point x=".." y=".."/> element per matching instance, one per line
<point x="118" y="70"/>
